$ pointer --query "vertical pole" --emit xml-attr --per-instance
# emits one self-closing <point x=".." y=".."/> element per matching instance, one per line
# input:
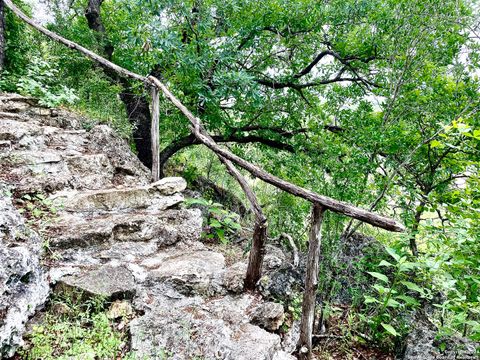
<point x="257" y="252"/>
<point x="154" y="131"/>
<point x="2" y="35"/>
<point x="311" y="278"/>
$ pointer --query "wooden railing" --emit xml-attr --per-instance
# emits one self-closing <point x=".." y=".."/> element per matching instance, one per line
<point x="319" y="202"/>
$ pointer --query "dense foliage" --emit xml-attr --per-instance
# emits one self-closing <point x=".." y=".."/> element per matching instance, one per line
<point x="374" y="102"/>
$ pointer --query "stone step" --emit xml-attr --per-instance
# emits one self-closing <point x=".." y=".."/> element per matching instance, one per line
<point x="48" y="170"/>
<point x="14" y="130"/>
<point x="195" y="271"/>
<point x="111" y="282"/>
<point x="163" y="227"/>
<point x="160" y="195"/>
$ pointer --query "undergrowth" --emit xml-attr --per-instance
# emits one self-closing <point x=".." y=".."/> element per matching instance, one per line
<point x="74" y="329"/>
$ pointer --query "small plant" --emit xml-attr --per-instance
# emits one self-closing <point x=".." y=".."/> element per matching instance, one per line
<point x="295" y="306"/>
<point x="36" y="206"/>
<point x="74" y="329"/>
<point x="395" y="296"/>
<point x="219" y="224"/>
<point x="40" y="81"/>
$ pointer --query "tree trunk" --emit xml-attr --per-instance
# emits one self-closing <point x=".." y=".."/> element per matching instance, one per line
<point x="415" y="225"/>
<point x="308" y="305"/>
<point x="138" y="111"/>
<point x="2" y="35"/>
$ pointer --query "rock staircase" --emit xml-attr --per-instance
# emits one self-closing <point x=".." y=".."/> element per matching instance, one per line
<point x="118" y="235"/>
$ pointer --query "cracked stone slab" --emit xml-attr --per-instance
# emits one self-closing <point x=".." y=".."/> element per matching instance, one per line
<point x="113" y="282"/>
<point x="163" y="227"/>
<point x="198" y="272"/>
<point x="142" y="197"/>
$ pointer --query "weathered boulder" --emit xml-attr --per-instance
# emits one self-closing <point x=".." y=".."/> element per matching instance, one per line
<point x="291" y="337"/>
<point x="190" y="272"/>
<point x="234" y="277"/>
<point x="282" y="283"/>
<point x="188" y="327"/>
<point x="119" y="309"/>
<point x="269" y="316"/>
<point x="170" y="185"/>
<point x="23" y="281"/>
<point x="112" y="282"/>
<point x="422" y="344"/>
<point x="274" y="258"/>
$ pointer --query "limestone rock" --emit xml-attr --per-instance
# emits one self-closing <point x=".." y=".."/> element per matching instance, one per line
<point x="189" y="272"/>
<point x="282" y="283"/>
<point x="274" y="258"/>
<point x="165" y="228"/>
<point x="117" y="235"/>
<point x="143" y="197"/>
<point x="421" y="344"/>
<point x="268" y="315"/>
<point x="234" y="277"/>
<point x="170" y="185"/>
<point x="187" y="327"/>
<point x="290" y="339"/>
<point x="120" y="309"/>
<point x="108" y="281"/>
<point x="23" y="282"/>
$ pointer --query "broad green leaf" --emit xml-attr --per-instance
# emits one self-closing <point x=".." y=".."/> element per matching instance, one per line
<point x="390" y="329"/>
<point x="393" y="303"/>
<point x="370" y="300"/>
<point x="385" y="263"/>
<point x="435" y="143"/>
<point x="392" y="253"/>
<point x="378" y="276"/>
<point x="215" y="223"/>
<point x="413" y="287"/>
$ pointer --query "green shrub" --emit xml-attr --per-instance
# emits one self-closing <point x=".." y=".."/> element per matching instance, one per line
<point x="41" y="81"/>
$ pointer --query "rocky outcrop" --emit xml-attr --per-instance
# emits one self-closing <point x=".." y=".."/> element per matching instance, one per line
<point x="111" y="232"/>
<point x="423" y="344"/>
<point x="23" y="282"/>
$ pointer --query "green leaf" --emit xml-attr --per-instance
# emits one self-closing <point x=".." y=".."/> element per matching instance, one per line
<point x="370" y="300"/>
<point x="392" y="253"/>
<point x="393" y="303"/>
<point x="385" y="263"/>
<point x="407" y="266"/>
<point x="412" y="286"/>
<point x="390" y="329"/>
<point x="215" y="223"/>
<point x="408" y="300"/>
<point x="378" y="276"/>
<point x="435" y="143"/>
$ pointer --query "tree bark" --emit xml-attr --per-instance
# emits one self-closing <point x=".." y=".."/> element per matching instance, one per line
<point x="138" y="112"/>
<point x="415" y="225"/>
<point x="308" y="305"/>
<point x="137" y="107"/>
<point x="2" y="35"/>
<point x="155" y="136"/>
<point x="257" y="253"/>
